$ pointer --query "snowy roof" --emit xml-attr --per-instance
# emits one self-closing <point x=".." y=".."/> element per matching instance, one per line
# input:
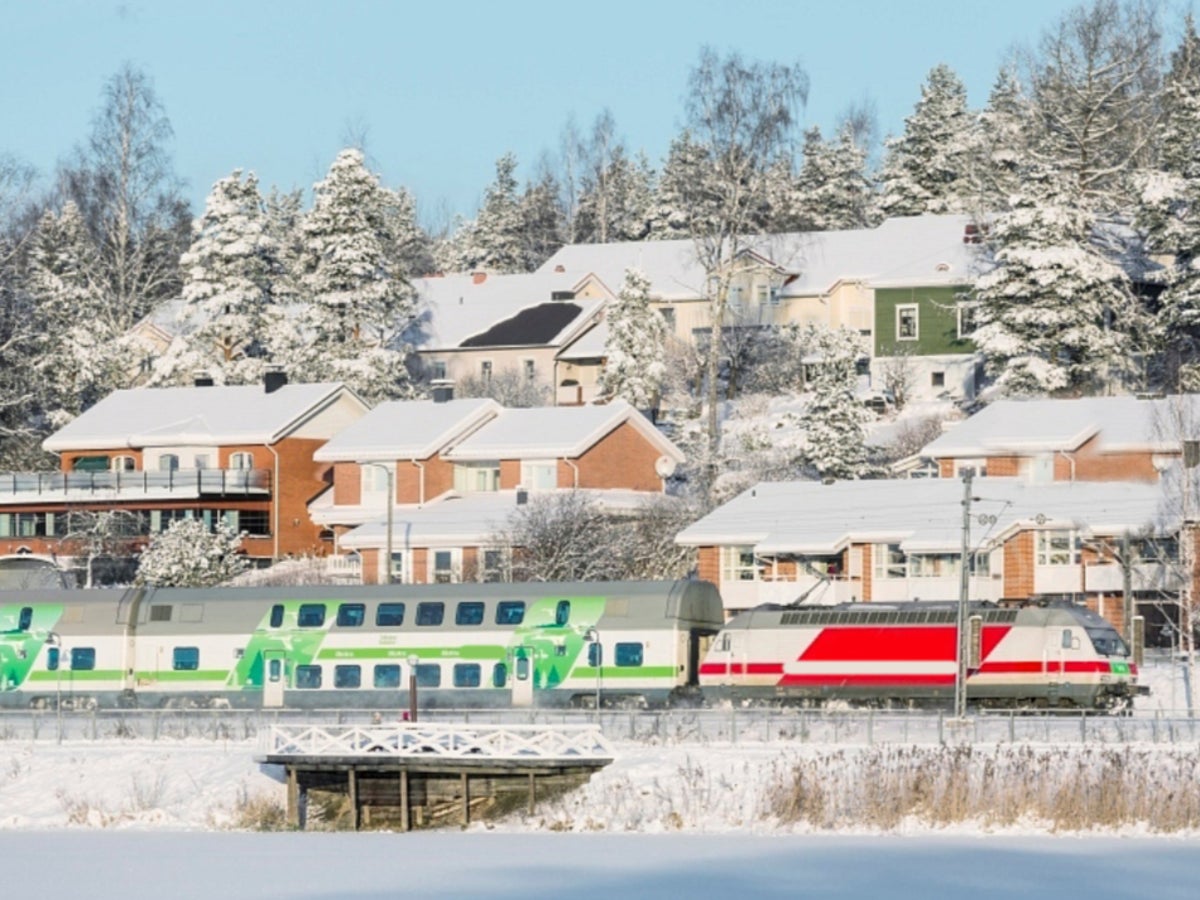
<point x="500" y="310"/>
<point x="811" y="517"/>
<point x="204" y="416"/>
<point x="549" y="432"/>
<point x="592" y="345"/>
<point x="1031" y="426"/>
<point x="454" y="520"/>
<point x="918" y="250"/>
<point x="406" y="429"/>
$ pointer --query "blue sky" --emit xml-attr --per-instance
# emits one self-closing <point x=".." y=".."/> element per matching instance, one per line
<point x="443" y="89"/>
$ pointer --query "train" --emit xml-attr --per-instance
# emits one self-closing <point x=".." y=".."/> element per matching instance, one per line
<point x="585" y="644"/>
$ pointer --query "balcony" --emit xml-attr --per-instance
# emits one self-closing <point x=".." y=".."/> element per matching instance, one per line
<point x="96" y="487"/>
<point x="1144" y="576"/>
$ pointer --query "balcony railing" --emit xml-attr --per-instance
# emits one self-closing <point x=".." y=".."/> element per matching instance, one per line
<point x="27" y="487"/>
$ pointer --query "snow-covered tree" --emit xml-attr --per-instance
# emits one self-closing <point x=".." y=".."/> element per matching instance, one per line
<point x="187" y="554"/>
<point x="836" y="419"/>
<point x="833" y="190"/>
<point x="685" y="197"/>
<point x="1002" y="144"/>
<point x="926" y="170"/>
<point x="1054" y="314"/>
<point x="541" y="221"/>
<point x="635" y="349"/>
<point x="358" y="302"/>
<point x="230" y="311"/>
<point x="493" y="241"/>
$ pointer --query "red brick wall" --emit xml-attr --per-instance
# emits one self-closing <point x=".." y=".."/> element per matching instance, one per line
<point x="300" y="480"/>
<point x="420" y="565"/>
<point x="510" y="474"/>
<point x="623" y="458"/>
<point x="709" y="564"/>
<point x="1093" y="466"/>
<point x="945" y="468"/>
<point x="1018" y="567"/>
<point x="868" y="572"/>
<point x="347" y="484"/>
<point x="1003" y="466"/>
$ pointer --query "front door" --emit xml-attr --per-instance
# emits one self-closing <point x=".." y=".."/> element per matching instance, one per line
<point x="522" y="682"/>
<point x="274" y="678"/>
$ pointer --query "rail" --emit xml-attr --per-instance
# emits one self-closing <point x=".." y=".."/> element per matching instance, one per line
<point x="516" y="743"/>
<point x="21" y="487"/>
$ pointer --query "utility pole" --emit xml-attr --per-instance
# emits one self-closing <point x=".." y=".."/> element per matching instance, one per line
<point x="964" y="587"/>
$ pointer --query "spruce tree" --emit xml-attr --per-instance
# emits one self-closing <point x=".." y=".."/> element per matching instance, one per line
<point x="836" y="419"/>
<point x="635" y="350"/>
<point x="494" y="241"/>
<point x="833" y="189"/>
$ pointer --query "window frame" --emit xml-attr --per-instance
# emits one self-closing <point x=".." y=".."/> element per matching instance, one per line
<point x="308" y="677"/>
<point x="391" y="607"/>
<point x="185" y="659"/>
<point x="306" y="610"/>
<point x="346" y="613"/>
<point x="386" y="684"/>
<point x="424" y="673"/>
<point x="505" y="610"/>
<point x="425" y="617"/>
<point x="465" y="613"/>
<point x="467" y="675"/>
<point x="901" y="310"/>
<point x="629" y="654"/>
<point x="344" y="674"/>
<point x="83" y="659"/>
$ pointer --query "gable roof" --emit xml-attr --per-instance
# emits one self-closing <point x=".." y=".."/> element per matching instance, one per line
<point x="406" y="429"/>
<point x="901" y="252"/>
<point x="205" y="416"/>
<point x="924" y="515"/>
<point x="1046" y="426"/>
<point x="552" y="432"/>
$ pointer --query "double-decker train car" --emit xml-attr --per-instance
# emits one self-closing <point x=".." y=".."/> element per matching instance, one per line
<point x="1033" y="656"/>
<point x="466" y="645"/>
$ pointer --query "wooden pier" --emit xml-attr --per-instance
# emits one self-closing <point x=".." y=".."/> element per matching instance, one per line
<point x="416" y="775"/>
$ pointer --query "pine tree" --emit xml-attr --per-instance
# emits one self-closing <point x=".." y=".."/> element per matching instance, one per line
<point x="541" y="221"/>
<point x="615" y="205"/>
<point x="1002" y="145"/>
<point x="230" y="315"/>
<point x="926" y="170"/>
<point x="836" y="420"/>
<point x="833" y="189"/>
<point x="1054" y="315"/>
<point x="636" y="346"/>
<point x="358" y="302"/>
<point x="685" y="196"/>
<point x="494" y="241"/>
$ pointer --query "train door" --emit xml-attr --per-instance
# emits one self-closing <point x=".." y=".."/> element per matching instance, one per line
<point x="274" y="678"/>
<point x="695" y="647"/>
<point x="522" y="677"/>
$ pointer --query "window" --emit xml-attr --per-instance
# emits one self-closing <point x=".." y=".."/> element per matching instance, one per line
<point x="1057" y="548"/>
<point x="933" y="565"/>
<point x="469" y="612"/>
<point x="397" y="572"/>
<point x="312" y="615"/>
<point x="389" y="614"/>
<point x="668" y="315"/>
<point x="274" y="670"/>
<point x="485" y="371"/>
<point x="595" y="654"/>
<point x="889" y="561"/>
<point x="24" y="618"/>
<point x="185" y="659"/>
<point x="52" y="655"/>
<point x="540" y="475"/>
<point x="530" y="370"/>
<point x="493" y="565"/>
<point x="374" y="484"/>
<point x="437" y="369"/>
<point x="83" y="658"/>
<point x="966" y="320"/>
<point x="562" y="613"/>
<point x="470" y="478"/>
<point x="629" y="654"/>
<point x="202" y="460"/>
<point x="308" y="678"/>
<point x="522" y="667"/>
<point x="907" y="325"/>
<point x="499" y="675"/>
<point x="735" y="298"/>
<point x="168" y="462"/>
<point x="387" y="676"/>
<point x="428" y="675"/>
<point x="737" y="564"/>
<point x="510" y="612"/>
<point x="444" y="570"/>
<point x="761" y="294"/>
<point x="981" y="564"/>
<point x="430" y="613"/>
<point x="253" y="522"/>
<point x="241" y="461"/>
<point x="467" y="675"/>
<point x="347" y="676"/>
<point x="351" y="615"/>
<point x="123" y="464"/>
<point x="276" y="615"/>
<point x="937" y="379"/>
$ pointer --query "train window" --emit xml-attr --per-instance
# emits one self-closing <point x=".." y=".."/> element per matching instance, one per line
<point x="428" y="675"/>
<point x="312" y="615"/>
<point x="522" y="668"/>
<point x="275" y="670"/>
<point x="1066" y="639"/>
<point x="308" y="677"/>
<point x="347" y="676"/>
<point x="431" y="613"/>
<point x="562" y="612"/>
<point x="160" y="612"/>
<point x="629" y="654"/>
<point x="595" y="654"/>
<point x="25" y="619"/>
<point x="52" y="658"/>
<point x="276" y="615"/>
<point x="185" y="659"/>
<point x="389" y="614"/>
<point x="499" y="675"/>
<point x="467" y="675"/>
<point x="83" y="658"/>
<point x="387" y="676"/>
<point x="469" y="612"/>
<point x="351" y="615"/>
<point x="510" y="612"/>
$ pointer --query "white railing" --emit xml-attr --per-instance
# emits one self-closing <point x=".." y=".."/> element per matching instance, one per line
<point x="523" y="743"/>
<point x="26" y="487"/>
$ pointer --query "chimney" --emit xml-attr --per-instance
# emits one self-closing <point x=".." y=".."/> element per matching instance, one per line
<point x="443" y="390"/>
<point x="274" y="379"/>
<point x="560" y="268"/>
<point x="478" y="277"/>
<point x="522" y="496"/>
<point x="203" y="379"/>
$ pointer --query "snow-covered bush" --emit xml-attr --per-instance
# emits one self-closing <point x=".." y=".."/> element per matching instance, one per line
<point x="187" y="554"/>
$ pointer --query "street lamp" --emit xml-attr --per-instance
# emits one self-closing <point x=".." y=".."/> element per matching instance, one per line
<point x="390" y="472"/>
<point x="413" y="659"/>
<point x="592" y="636"/>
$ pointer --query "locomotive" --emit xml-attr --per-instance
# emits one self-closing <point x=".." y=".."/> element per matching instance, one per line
<point x="539" y="644"/>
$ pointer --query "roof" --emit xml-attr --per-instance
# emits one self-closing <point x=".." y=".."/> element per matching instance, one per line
<point x="456" y="520"/>
<point x="901" y="252"/>
<point x="1043" y="426"/>
<point x="204" y="416"/>
<point x="552" y="432"/>
<point x="593" y="344"/>
<point x="500" y="310"/>
<point x="924" y="515"/>
<point x="406" y="429"/>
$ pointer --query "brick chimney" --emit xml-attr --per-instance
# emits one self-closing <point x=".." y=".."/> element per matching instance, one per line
<point x="478" y="277"/>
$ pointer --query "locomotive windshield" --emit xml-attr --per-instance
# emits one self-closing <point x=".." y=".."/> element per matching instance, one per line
<point x="1107" y="642"/>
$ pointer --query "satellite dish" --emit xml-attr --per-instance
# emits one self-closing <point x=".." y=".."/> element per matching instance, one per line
<point x="664" y="467"/>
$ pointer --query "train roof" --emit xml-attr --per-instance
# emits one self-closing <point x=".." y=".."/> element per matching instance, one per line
<point x="918" y="612"/>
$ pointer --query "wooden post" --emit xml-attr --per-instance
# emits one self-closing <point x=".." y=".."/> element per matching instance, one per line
<point x="293" y="799"/>
<point x="405" y="812"/>
<point x="352" y="787"/>
<point x="466" y="792"/>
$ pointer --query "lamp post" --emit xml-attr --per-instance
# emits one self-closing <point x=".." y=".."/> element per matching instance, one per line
<point x="592" y="636"/>
<point x="960" y="630"/>
<point x="390" y="472"/>
<point x="413" y="659"/>
<point x="53" y="640"/>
